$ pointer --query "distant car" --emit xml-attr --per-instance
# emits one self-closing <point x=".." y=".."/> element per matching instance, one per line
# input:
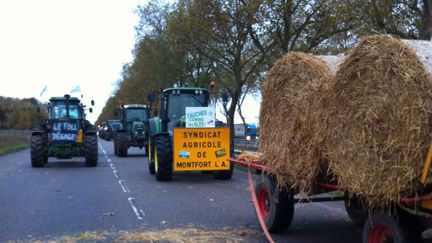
<point x="101" y="130"/>
<point x="111" y="128"/>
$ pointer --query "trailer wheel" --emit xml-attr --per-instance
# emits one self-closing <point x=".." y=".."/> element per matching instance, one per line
<point x="150" y="159"/>
<point x="163" y="158"/>
<point x="356" y="210"/>
<point x="381" y="227"/>
<point x="275" y="206"/>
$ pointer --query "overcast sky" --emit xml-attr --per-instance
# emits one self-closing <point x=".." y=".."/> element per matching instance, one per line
<point x="63" y="44"/>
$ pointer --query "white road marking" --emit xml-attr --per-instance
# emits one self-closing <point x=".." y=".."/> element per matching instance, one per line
<point x="116" y="173"/>
<point x="123" y="185"/>
<point x="138" y="212"/>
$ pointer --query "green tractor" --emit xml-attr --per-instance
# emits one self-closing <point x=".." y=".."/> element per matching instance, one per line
<point x="133" y="129"/>
<point x="65" y="134"/>
<point x="162" y="147"/>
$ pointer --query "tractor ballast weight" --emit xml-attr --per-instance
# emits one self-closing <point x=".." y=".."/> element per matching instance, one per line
<point x="173" y="103"/>
<point x="133" y="130"/>
<point x="65" y="134"/>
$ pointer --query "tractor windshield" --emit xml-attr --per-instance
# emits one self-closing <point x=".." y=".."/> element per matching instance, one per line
<point x="59" y="111"/>
<point x="177" y="107"/>
<point x="136" y="115"/>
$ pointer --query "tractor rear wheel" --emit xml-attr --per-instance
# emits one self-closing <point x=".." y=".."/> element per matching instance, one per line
<point x="150" y="158"/>
<point x="37" y="152"/>
<point x="163" y="158"/>
<point x="122" y="144"/>
<point x="91" y="150"/>
<point x="275" y="206"/>
<point x="115" y="145"/>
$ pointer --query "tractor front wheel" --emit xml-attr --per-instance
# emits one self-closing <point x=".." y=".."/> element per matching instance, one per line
<point x="163" y="158"/>
<point x="122" y="144"/>
<point x="225" y="174"/>
<point x="37" y="151"/>
<point x="275" y="206"/>
<point x="91" y="150"/>
<point x="150" y="158"/>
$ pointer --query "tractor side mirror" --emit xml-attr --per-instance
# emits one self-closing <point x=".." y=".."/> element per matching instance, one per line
<point x="90" y="110"/>
<point x="116" y="113"/>
<point x="150" y="97"/>
<point x="92" y="102"/>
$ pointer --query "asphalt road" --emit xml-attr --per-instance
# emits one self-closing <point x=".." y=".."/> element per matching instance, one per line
<point x="119" y="200"/>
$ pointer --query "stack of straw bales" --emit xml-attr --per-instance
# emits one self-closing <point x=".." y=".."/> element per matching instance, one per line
<point x="369" y="126"/>
<point x="291" y="134"/>
<point x="379" y="123"/>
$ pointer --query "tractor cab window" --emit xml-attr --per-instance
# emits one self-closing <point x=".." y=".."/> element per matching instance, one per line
<point x="177" y="107"/>
<point x="59" y="111"/>
<point x="136" y="115"/>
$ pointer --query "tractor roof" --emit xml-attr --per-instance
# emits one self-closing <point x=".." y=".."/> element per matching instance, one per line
<point x="135" y="106"/>
<point x="184" y="89"/>
<point x="71" y="99"/>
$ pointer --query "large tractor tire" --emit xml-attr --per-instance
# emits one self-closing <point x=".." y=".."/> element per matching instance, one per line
<point x="356" y="210"/>
<point x="122" y="144"/>
<point x="381" y="227"/>
<point x="150" y="158"/>
<point x="108" y="136"/>
<point x="37" y="152"/>
<point x="275" y="206"/>
<point x="163" y="158"/>
<point x="115" y="145"/>
<point x="225" y="174"/>
<point x="91" y="150"/>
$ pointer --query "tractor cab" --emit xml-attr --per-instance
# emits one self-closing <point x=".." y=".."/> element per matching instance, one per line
<point x="175" y="101"/>
<point x="62" y="108"/>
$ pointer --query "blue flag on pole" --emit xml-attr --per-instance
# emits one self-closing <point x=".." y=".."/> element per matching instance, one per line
<point x="77" y="89"/>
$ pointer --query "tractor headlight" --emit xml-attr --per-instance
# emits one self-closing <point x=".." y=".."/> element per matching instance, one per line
<point x="248" y="138"/>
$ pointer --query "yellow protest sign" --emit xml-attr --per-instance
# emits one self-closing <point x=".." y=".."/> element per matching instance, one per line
<point x="201" y="149"/>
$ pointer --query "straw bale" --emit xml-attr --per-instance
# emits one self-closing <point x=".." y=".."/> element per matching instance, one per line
<point x="379" y="122"/>
<point x="291" y="135"/>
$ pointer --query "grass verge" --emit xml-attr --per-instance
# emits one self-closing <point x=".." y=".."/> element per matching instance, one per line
<point x="10" y="144"/>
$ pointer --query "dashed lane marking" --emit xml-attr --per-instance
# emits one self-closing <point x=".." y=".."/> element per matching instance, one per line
<point x="116" y="173"/>
<point x="138" y="211"/>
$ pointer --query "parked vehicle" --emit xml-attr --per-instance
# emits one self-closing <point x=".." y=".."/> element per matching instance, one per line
<point x="248" y="131"/>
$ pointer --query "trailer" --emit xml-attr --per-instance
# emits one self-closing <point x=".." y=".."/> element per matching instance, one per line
<point x="404" y="222"/>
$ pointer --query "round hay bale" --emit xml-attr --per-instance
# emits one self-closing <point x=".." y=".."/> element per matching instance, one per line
<point x="290" y="120"/>
<point x="379" y="121"/>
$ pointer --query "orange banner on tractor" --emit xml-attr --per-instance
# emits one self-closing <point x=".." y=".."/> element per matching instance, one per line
<point x="201" y="149"/>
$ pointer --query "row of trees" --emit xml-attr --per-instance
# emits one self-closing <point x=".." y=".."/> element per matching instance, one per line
<point x="20" y="114"/>
<point x="191" y="42"/>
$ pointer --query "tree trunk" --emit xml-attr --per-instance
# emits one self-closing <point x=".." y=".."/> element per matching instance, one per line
<point x="426" y="32"/>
